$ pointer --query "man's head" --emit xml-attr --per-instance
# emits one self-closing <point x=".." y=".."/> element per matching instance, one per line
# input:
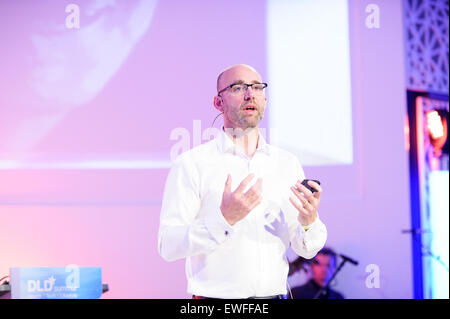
<point x="323" y="266"/>
<point x="242" y="105"/>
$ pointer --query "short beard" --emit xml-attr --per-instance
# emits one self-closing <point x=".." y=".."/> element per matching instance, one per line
<point x="254" y="122"/>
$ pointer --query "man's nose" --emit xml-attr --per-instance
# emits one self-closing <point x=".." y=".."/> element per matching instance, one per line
<point x="249" y="93"/>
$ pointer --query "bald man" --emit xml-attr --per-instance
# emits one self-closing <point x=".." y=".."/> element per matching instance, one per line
<point x="234" y="205"/>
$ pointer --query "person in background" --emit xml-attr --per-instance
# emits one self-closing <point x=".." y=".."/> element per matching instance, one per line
<point x="322" y="269"/>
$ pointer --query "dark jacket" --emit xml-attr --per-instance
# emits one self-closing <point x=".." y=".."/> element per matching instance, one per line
<point x="310" y="289"/>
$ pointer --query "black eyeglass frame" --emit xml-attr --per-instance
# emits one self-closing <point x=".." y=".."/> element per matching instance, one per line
<point x="248" y="85"/>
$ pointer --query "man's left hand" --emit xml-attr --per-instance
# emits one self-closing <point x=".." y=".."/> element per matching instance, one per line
<point x="309" y="202"/>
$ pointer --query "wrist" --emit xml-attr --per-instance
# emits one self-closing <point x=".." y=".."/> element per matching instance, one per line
<point x="307" y="224"/>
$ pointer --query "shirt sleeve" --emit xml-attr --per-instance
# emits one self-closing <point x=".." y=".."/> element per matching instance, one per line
<point x="305" y="243"/>
<point x="181" y="232"/>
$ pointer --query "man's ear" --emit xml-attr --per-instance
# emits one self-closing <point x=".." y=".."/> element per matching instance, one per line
<point x="218" y="103"/>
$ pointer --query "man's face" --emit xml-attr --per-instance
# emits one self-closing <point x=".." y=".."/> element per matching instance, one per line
<point x="237" y="107"/>
<point x="323" y="269"/>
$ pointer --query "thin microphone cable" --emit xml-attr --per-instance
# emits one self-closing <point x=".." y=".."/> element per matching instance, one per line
<point x="212" y="125"/>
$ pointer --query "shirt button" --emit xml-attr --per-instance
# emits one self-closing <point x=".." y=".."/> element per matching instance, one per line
<point x="226" y="233"/>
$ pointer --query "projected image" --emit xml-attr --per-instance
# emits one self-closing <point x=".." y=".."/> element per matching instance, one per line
<point x="107" y="88"/>
<point x="54" y="68"/>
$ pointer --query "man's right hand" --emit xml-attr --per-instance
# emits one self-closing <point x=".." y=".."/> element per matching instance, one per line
<point x="236" y="205"/>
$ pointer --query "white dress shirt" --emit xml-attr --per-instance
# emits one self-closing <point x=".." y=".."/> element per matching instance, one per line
<point x="247" y="259"/>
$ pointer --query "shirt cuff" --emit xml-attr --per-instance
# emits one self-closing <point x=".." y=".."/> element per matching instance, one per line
<point x="217" y="226"/>
<point x="304" y="229"/>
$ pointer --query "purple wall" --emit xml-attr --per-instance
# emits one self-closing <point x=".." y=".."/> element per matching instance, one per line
<point x="109" y="216"/>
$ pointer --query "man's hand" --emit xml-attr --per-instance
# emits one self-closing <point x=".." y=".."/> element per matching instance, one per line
<point x="236" y="205"/>
<point x="307" y="211"/>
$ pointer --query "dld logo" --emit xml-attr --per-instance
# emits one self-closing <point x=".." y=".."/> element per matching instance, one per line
<point x="72" y="281"/>
<point x="35" y="285"/>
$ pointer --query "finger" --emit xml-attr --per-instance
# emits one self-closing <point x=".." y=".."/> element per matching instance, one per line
<point x="296" y="205"/>
<point x="317" y="187"/>
<point x="228" y="184"/>
<point x="305" y="202"/>
<point x="303" y="189"/>
<point x="244" y="183"/>
<point x="255" y="189"/>
<point x="307" y="205"/>
<point x="252" y="197"/>
<point x="299" y="194"/>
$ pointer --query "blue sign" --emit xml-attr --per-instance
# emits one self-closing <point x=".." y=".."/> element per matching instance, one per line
<point x="70" y="282"/>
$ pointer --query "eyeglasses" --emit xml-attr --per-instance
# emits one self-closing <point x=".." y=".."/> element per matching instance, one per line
<point x="241" y="88"/>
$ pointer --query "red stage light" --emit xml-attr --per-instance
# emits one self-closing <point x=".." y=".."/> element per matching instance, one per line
<point x="437" y="126"/>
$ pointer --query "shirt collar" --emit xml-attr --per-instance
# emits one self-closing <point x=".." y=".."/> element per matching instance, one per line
<point x="225" y="143"/>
